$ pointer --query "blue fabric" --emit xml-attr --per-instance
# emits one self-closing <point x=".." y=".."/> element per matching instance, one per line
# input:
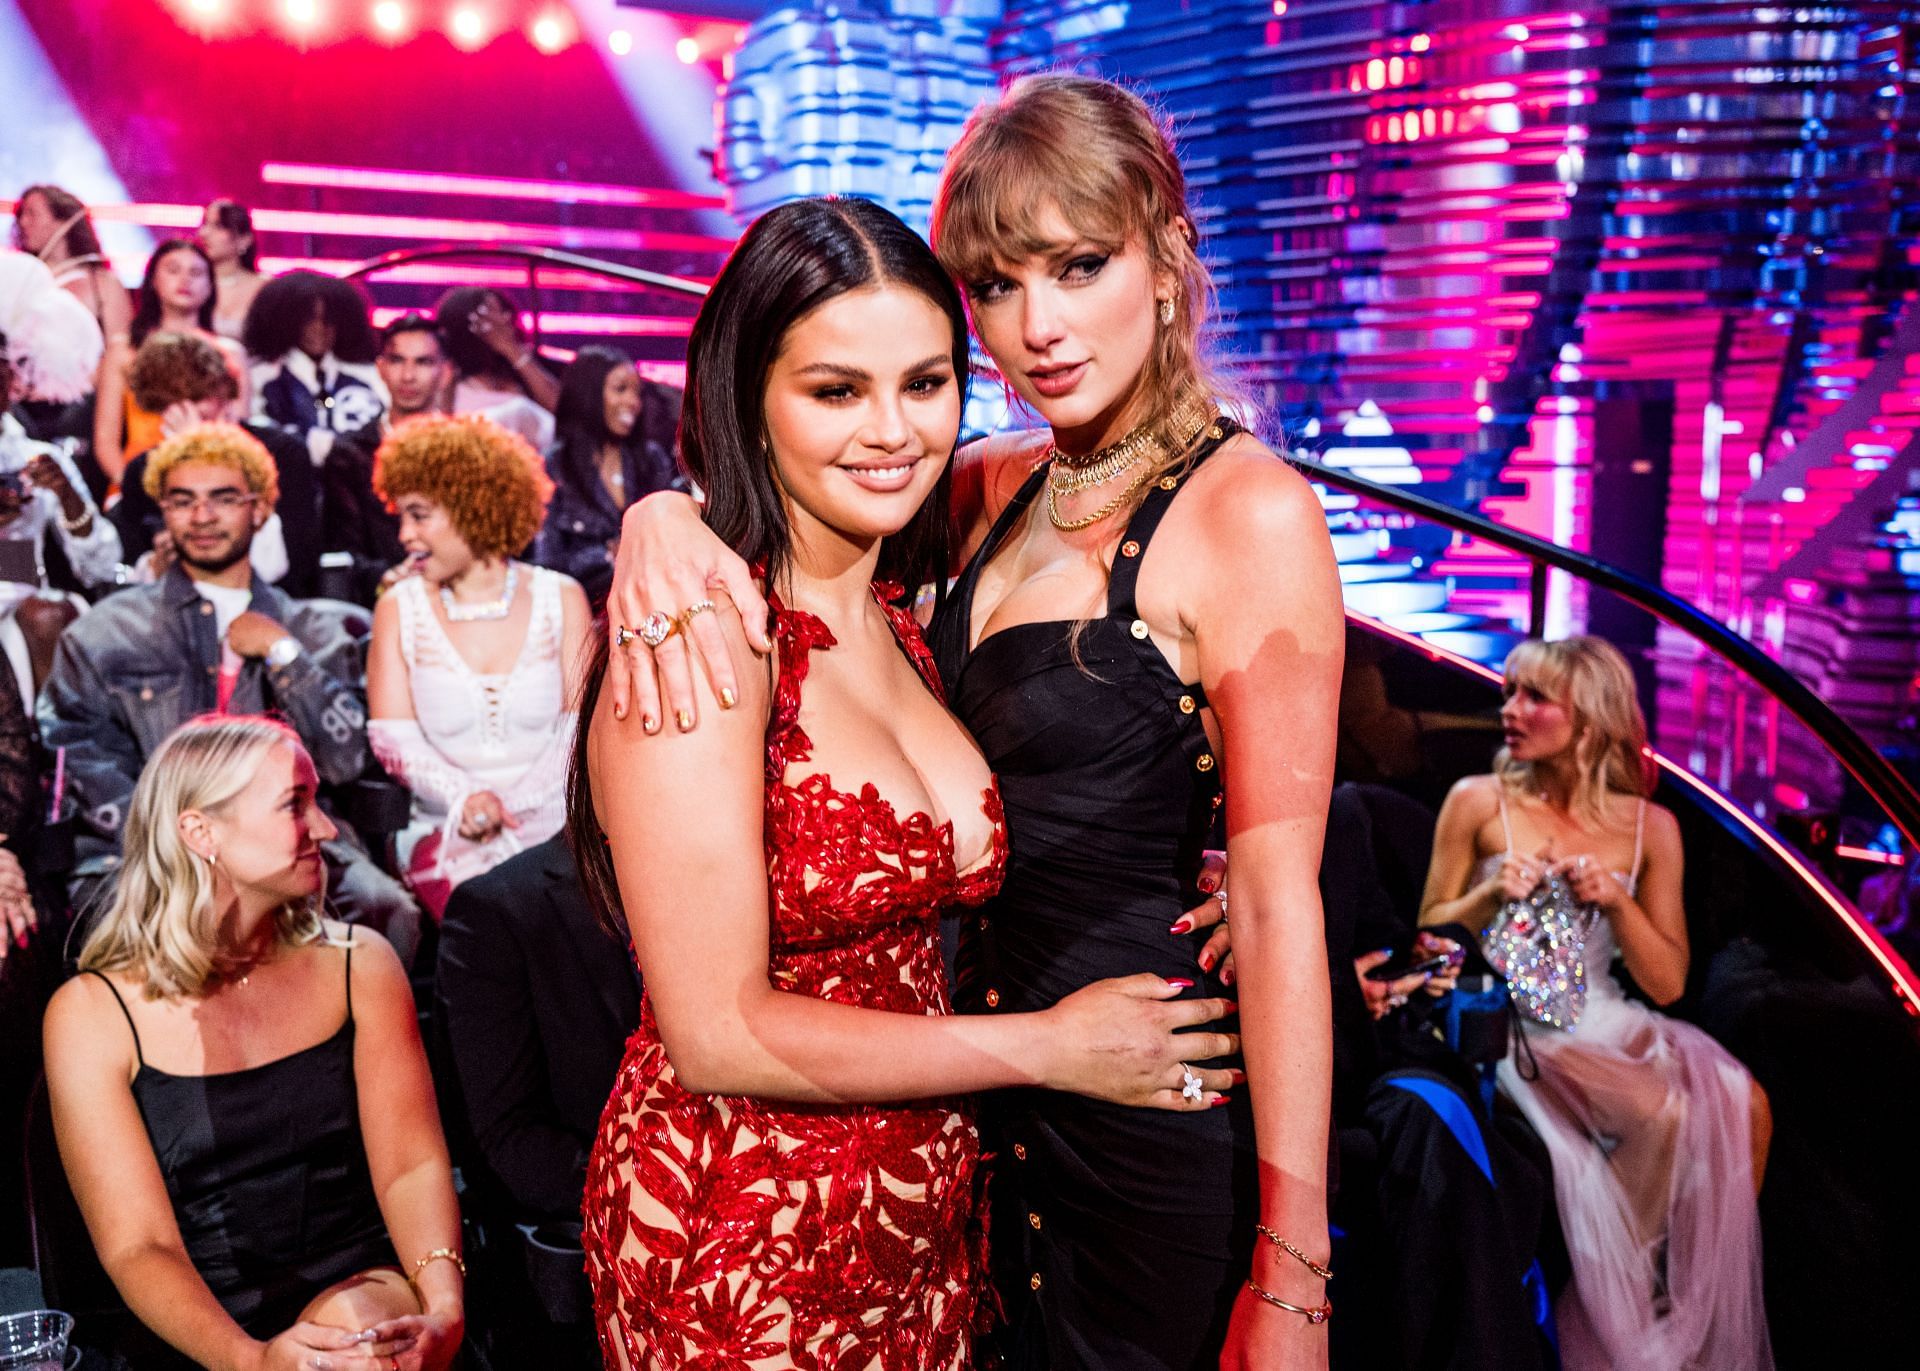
<point x="1455" y="1113"/>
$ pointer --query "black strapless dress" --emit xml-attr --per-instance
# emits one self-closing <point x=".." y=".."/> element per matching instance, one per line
<point x="1120" y="1237"/>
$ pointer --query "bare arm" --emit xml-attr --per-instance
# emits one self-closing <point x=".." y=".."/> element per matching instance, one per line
<point x="683" y="813"/>
<point x="576" y="621"/>
<point x="122" y="1196"/>
<point x="1267" y="619"/>
<point x="1651" y="927"/>
<point x="406" y="1154"/>
<point x="110" y="411"/>
<point x="1450" y="896"/>
<point x="389" y="693"/>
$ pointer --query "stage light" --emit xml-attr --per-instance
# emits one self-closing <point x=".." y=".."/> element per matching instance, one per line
<point x="467" y="27"/>
<point x="549" y="33"/>
<point x="620" y="42"/>
<point x="302" y="13"/>
<point x="1279" y="8"/>
<point x="207" y="9"/>
<point x="390" y="17"/>
<point x="687" y="50"/>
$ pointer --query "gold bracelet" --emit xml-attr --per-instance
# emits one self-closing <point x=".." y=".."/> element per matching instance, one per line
<point x="1293" y="1251"/>
<point x="438" y="1254"/>
<point x="1313" y="1316"/>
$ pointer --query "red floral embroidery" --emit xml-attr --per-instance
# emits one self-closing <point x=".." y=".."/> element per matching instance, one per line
<point x="725" y="1233"/>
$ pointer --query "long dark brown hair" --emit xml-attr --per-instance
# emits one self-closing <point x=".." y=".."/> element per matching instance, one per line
<point x="792" y="261"/>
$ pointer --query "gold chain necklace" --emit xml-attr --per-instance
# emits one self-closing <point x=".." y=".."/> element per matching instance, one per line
<point x="1069" y="476"/>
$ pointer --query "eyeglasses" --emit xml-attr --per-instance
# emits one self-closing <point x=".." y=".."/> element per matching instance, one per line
<point x="221" y="501"/>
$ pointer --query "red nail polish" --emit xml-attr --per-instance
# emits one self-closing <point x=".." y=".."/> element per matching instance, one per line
<point x="1226" y="975"/>
<point x="1181" y="984"/>
<point x="1183" y="926"/>
<point x="1222" y="1100"/>
<point x="1206" y="960"/>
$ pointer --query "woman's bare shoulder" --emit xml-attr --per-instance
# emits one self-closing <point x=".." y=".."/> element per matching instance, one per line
<point x="1000" y="462"/>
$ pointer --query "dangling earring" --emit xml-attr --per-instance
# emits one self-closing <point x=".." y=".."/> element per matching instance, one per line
<point x="1166" y="312"/>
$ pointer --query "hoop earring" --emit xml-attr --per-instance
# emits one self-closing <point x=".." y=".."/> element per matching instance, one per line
<point x="1166" y="312"/>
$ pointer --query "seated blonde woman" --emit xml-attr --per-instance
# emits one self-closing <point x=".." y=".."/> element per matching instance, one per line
<point x="472" y="675"/>
<point x="1658" y="1135"/>
<point x="242" y="1103"/>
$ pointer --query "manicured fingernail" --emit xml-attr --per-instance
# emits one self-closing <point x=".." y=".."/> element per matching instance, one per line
<point x="1184" y="925"/>
<point x="619" y="711"/>
<point x="727" y="698"/>
<point x="684" y="718"/>
<point x="1221" y="1099"/>
<point x="1226" y="975"/>
<point x="1206" y="960"/>
<point x="649" y="723"/>
<point x="1181" y="984"/>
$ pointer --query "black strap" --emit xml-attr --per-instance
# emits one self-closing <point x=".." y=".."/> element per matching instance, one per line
<point x="138" y="1055"/>
<point x="349" y="973"/>
<point x="1124" y="579"/>
<point x="1011" y="515"/>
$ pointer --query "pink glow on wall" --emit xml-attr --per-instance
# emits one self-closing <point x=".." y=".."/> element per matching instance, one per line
<point x="496" y="187"/>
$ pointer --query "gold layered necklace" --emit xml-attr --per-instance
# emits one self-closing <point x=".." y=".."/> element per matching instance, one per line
<point x="1072" y="475"/>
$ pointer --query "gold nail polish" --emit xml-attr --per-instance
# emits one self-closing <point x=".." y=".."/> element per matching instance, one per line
<point x="649" y="723"/>
<point x="684" y="718"/>
<point x="727" y="698"/>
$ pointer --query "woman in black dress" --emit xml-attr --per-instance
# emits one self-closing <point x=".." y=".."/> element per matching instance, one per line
<point x="1149" y="606"/>
<point x="615" y="446"/>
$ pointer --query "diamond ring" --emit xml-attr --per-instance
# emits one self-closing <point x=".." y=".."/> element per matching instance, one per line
<point x="1190" y="1084"/>
<point x="623" y="635"/>
<point x="656" y="628"/>
<point x="697" y="607"/>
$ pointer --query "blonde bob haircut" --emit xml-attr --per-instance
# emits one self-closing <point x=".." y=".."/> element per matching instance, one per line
<point x="159" y="927"/>
<point x="221" y="445"/>
<point x="1591" y="678"/>
<point x="1095" y="153"/>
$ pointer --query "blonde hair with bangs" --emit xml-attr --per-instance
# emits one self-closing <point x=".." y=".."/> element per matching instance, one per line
<point x="160" y="924"/>
<point x="1591" y="677"/>
<point x="1095" y="153"/>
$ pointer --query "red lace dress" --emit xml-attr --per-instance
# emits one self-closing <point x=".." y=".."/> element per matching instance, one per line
<point x="731" y="1233"/>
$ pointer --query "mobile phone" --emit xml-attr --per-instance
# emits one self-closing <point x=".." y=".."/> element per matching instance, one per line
<point x="1412" y="962"/>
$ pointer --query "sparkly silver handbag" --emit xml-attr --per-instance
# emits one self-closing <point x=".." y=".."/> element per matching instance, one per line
<point x="1539" y="944"/>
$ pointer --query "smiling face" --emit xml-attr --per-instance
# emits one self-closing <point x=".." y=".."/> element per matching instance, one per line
<point x="210" y="514"/>
<point x="1071" y="329"/>
<point x="265" y="841"/>
<point x="620" y="401"/>
<point x="431" y="540"/>
<point x="862" y="413"/>
<point x="1537" y="727"/>
<point x="182" y="282"/>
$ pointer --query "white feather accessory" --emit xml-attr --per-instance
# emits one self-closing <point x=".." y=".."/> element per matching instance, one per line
<point x="53" y="343"/>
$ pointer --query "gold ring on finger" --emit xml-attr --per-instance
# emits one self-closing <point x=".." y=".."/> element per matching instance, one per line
<point x="657" y="628"/>
<point x="623" y="635"/>
<point x="697" y="607"/>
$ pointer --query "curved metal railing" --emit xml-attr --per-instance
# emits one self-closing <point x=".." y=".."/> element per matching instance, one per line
<point x="1873" y="773"/>
<point x="533" y="259"/>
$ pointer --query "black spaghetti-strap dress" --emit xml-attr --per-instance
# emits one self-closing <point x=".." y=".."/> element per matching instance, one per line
<point x="267" y="1171"/>
<point x="1120" y="1237"/>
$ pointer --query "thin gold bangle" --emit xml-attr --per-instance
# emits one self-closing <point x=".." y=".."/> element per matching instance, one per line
<point x="1313" y="1316"/>
<point x="438" y="1254"/>
<point x="1293" y="1251"/>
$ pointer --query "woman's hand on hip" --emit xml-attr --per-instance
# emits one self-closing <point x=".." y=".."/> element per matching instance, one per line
<point x="1118" y="1040"/>
<point x="1263" y="1338"/>
<point x="668" y="562"/>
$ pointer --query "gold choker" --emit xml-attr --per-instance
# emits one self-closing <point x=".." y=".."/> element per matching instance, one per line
<point x="1072" y="475"/>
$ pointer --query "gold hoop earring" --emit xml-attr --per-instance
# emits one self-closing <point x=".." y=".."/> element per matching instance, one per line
<point x="1166" y="312"/>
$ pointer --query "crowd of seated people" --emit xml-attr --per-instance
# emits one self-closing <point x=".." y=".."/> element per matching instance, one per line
<point x="351" y="564"/>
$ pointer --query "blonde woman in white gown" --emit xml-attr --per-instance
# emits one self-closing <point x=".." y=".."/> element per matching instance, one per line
<point x="1658" y="1135"/>
<point x="471" y="677"/>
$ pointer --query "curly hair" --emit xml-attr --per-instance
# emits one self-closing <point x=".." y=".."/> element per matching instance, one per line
<point x="226" y="445"/>
<point x="491" y="482"/>
<point x="285" y="304"/>
<point x="170" y="367"/>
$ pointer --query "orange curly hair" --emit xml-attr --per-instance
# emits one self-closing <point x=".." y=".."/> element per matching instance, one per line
<point x="226" y="445"/>
<point x="492" y="483"/>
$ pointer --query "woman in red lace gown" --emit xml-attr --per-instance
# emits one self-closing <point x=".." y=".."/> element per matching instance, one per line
<point x="784" y="1175"/>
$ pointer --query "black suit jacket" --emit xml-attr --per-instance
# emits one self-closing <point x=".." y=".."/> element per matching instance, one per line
<point x="534" y="1004"/>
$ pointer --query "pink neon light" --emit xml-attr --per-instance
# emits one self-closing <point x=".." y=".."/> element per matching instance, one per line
<point x="499" y="187"/>
<point x="457" y="274"/>
<point x="1904" y="985"/>
<point x="1869" y="854"/>
<point x="592" y="325"/>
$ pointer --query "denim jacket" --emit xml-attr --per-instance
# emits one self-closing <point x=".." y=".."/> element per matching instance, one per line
<point x="146" y="660"/>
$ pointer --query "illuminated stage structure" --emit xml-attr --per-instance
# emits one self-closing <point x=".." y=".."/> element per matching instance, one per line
<point x="1638" y="278"/>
